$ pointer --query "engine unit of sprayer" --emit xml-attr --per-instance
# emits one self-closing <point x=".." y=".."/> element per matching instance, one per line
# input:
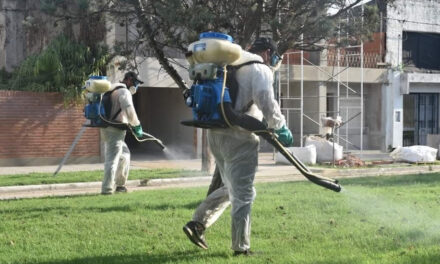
<point x="206" y="94"/>
<point x="95" y="87"/>
<point x="94" y="109"/>
<point x="207" y="58"/>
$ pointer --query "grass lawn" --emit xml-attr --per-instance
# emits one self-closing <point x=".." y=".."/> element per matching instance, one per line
<point x="90" y="176"/>
<point x="374" y="220"/>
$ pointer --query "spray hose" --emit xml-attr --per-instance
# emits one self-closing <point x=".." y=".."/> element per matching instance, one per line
<point x="125" y="126"/>
<point x="328" y="183"/>
<point x="254" y="125"/>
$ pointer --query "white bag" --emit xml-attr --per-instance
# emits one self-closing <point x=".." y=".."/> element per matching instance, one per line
<point x="414" y="154"/>
<point x="306" y="155"/>
<point x="324" y="149"/>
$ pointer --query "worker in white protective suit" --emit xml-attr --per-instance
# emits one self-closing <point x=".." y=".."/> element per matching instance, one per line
<point x="236" y="150"/>
<point x="117" y="154"/>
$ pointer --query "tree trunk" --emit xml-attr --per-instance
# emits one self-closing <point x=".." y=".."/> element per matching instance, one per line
<point x="206" y="155"/>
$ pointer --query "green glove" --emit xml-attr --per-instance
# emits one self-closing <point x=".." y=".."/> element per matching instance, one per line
<point x="284" y="136"/>
<point x="138" y="131"/>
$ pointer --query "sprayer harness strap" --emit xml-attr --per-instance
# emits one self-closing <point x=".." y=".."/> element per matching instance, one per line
<point x="119" y="110"/>
<point x="232" y="83"/>
<point x="247" y="63"/>
<point x="106" y="100"/>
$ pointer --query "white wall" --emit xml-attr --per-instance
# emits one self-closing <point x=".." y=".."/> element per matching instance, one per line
<point x="403" y="15"/>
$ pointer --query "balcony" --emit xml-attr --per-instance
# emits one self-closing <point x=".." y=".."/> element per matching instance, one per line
<point x="373" y="55"/>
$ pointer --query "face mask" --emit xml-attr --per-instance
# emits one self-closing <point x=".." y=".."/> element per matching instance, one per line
<point x="275" y="61"/>
<point x="133" y="89"/>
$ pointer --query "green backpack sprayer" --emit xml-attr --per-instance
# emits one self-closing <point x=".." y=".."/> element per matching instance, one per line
<point x="211" y="102"/>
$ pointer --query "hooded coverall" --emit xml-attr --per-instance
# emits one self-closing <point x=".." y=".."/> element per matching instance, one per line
<point x="236" y="152"/>
<point x="117" y="154"/>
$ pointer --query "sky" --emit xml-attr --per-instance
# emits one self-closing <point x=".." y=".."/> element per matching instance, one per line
<point x="333" y="10"/>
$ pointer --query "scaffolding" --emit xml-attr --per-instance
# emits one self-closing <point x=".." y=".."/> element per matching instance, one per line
<point x="346" y="100"/>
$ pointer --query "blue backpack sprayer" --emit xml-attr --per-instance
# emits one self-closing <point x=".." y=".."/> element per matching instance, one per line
<point x="97" y="111"/>
<point x="212" y="105"/>
<point x="99" y="105"/>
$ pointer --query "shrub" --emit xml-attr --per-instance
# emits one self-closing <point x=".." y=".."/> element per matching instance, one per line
<point x="62" y="67"/>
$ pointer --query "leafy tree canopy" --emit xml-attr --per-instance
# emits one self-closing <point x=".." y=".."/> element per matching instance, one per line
<point x="62" y="67"/>
<point x="168" y="26"/>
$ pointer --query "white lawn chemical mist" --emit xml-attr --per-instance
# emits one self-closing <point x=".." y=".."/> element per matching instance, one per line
<point x="173" y="153"/>
<point x="408" y="221"/>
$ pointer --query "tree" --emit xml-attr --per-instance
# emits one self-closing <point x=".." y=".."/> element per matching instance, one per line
<point x="298" y="24"/>
<point x="168" y="26"/>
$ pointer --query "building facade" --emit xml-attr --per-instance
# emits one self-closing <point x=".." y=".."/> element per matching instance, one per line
<point x="413" y="87"/>
<point x="387" y="91"/>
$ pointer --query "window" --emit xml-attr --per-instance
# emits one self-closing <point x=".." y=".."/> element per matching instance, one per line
<point x="421" y="50"/>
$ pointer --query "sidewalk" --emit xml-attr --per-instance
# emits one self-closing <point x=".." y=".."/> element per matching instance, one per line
<point x="268" y="171"/>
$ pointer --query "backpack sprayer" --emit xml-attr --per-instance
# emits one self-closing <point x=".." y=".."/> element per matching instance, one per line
<point x="97" y="112"/>
<point x="99" y="105"/>
<point x="212" y="105"/>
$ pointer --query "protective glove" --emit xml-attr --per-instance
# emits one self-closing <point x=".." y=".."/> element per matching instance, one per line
<point x="284" y="136"/>
<point x="138" y="131"/>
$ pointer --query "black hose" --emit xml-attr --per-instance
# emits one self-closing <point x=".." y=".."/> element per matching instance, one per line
<point x="327" y="183"/>
<point x="245" y="121"/>
<point x="254" y="125"/>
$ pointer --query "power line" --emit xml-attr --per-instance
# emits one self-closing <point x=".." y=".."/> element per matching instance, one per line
<point x="415" y="22"/>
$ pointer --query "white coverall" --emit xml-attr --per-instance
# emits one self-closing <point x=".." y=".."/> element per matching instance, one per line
<point x="117" y="154"/>
<point x="236" y="152"/>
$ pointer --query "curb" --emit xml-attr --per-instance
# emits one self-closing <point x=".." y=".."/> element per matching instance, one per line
<point x="410" y="169"/>
<point x="89" y="185"/>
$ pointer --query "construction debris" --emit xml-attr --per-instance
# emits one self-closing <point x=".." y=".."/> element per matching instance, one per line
<point x="350" y="161"/>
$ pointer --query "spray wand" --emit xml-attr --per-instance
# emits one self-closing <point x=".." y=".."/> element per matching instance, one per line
<point x="148" y="137"/>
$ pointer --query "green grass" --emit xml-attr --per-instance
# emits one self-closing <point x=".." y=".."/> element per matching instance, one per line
<point x="384" y="220"/>
<point x="90" y="176"/>
<point x="368" y="164"/>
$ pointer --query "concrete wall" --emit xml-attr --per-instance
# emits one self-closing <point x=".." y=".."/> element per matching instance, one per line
<point x="25" y="30"/>
<point x="403" y="15"/>
<point x="38" y="129"/>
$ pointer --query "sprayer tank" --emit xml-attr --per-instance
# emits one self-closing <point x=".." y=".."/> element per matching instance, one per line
<point x="98" y="84"/>
<point x="215" y="48"/>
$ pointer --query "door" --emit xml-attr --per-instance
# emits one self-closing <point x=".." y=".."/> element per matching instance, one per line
<point x="427" y="116"/>
<point x="420" y="117"/>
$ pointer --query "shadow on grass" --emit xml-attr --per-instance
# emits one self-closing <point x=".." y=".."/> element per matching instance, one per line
<point x="67" y="209"/>
<point x="37" y="212"/>
<point x="165" y="206"/>
<point x="383" y="181"/>
<point x="182" y="256"/>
